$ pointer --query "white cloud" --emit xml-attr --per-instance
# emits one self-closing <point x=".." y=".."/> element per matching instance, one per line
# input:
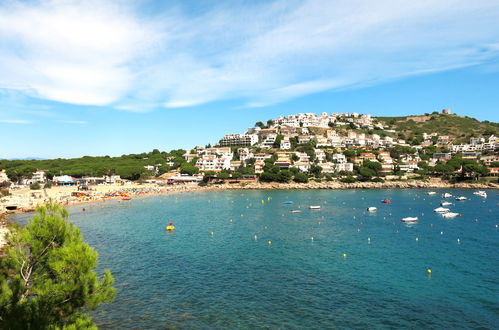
<point x="75" y="122"/>
<point x="109" y="54"/>
<point x="15" y="121"/>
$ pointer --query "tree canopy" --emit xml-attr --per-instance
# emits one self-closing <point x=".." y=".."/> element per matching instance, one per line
<point x="48" y="280"/>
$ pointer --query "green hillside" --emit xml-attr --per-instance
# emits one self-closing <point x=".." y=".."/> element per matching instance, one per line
<point x="458" y="128"/>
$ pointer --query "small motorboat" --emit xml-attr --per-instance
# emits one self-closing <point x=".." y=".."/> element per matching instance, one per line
<point x="410" y="219"/>
<point x="288" y="202"/>
<point x="480" y="193"/>
<point x="372" y="209"/>
<point x="445" y="203"/>
<point x="295" y="211"/>
<point x="314" y="207"/>
<point x="450" y="214"/>
<point x="386" y="201"/>
<point x="126" y="198"/>
<point x="431" y="192"/>
<point x="446" y="195"/>
<point x="461" y="198"/>
<point x="441" y="210"/>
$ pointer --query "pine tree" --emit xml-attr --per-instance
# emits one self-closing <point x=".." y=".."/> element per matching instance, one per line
<point x="48" y="280"/>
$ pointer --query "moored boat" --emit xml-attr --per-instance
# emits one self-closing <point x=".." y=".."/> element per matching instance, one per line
<point x="446" y="195"/>
<point x="295" y="211"/>
<point x="372" y="209"/>
<point x="445" y="203"/>
<point x="461" y="198"/>
<point x="450" y="214"/>
<point x="386" y="201"/>
<point x="314" y="207"/>
<point x="410" y="219"/>
<point x="441" y="210"/>
<point x="287" y="202"/>
<point x="480" y="193"/>
<point x="431" y="192"/>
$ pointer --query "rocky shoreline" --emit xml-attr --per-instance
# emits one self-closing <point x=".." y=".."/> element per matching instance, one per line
<point x="364" y="185"/>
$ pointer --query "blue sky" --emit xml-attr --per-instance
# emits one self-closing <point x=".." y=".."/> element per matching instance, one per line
<point x="109" y="78"/>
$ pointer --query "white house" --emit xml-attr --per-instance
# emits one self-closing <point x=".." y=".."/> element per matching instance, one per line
<point x="39" y="176"/>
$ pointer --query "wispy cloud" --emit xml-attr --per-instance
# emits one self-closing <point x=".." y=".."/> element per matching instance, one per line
<point x="74" y="122"/>
<point x="15" y="121"/>
<point x="112" y="54"/>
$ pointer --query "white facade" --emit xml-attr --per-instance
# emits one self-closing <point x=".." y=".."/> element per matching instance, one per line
<point x="344" y="167"/>
<point x="239" y="140"/>
<point x="339" y="158"/>
<point x="285" y="144"/>
<point x="269" y="141"/>
<point x="216" y="164"/>
<point x="39" y="176"/>
<point x="3" y="176"/>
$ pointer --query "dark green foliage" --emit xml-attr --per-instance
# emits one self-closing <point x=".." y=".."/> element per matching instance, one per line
<point x="189" y="169"/>
<point x="348" y="179"/>
<point x="48" y="279"/>
<point x="129" y="167"/>
<point x="35" y="186"/>
<point x="316" y="170"/>
<point x="300" y="178"/>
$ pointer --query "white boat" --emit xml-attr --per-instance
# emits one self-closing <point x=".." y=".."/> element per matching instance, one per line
<point x="445" y="203"/>
<point x="446" y="195"/>
<point x="461" y="198"/>
<point x="441" y="210"/>
<point x="410" y="219"/>
<point x="314" y="207"/>
<point x="295" y="211"/>
<point x="480" y="193"/>
<point x="372" y="209"/>
<point x="450" y="214"/>
<point x="431" y="192"/>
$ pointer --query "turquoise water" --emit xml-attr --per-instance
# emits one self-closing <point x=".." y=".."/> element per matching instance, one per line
<point x="191" y="279"/>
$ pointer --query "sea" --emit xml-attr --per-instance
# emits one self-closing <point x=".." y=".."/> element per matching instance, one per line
<point x="243" y="260"/>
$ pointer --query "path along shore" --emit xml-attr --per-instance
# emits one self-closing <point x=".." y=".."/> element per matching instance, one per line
<point x="27" y="200"/>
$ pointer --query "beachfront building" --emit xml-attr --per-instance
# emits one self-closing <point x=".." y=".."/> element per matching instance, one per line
<point x="39" y="177"/>
<point x="64" y="180"/>
<point x="259" y="164"/>
<point x="183" y="179"/>
<point x="343" y="167"/>
<point x="302" y="166"/>
<point x="213" y="163"/>
<point x="3" y="176"/>
<point x="239" y="140"/>
<point x="327" y="167"/>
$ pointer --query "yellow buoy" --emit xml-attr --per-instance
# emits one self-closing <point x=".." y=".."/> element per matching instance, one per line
<point x="269" y="242"/>
<point x="429" y="271"/>
<point x="344" y="255"/>
<point x="212" y="233"/>
<point x="230" y="220"/>
<point x="263" y="202"/>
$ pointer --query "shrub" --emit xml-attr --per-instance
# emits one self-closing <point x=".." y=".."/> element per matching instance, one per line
<point x="301" y="178"/>
<point x="35" y="186"/>
<point x="348" y="179"/>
